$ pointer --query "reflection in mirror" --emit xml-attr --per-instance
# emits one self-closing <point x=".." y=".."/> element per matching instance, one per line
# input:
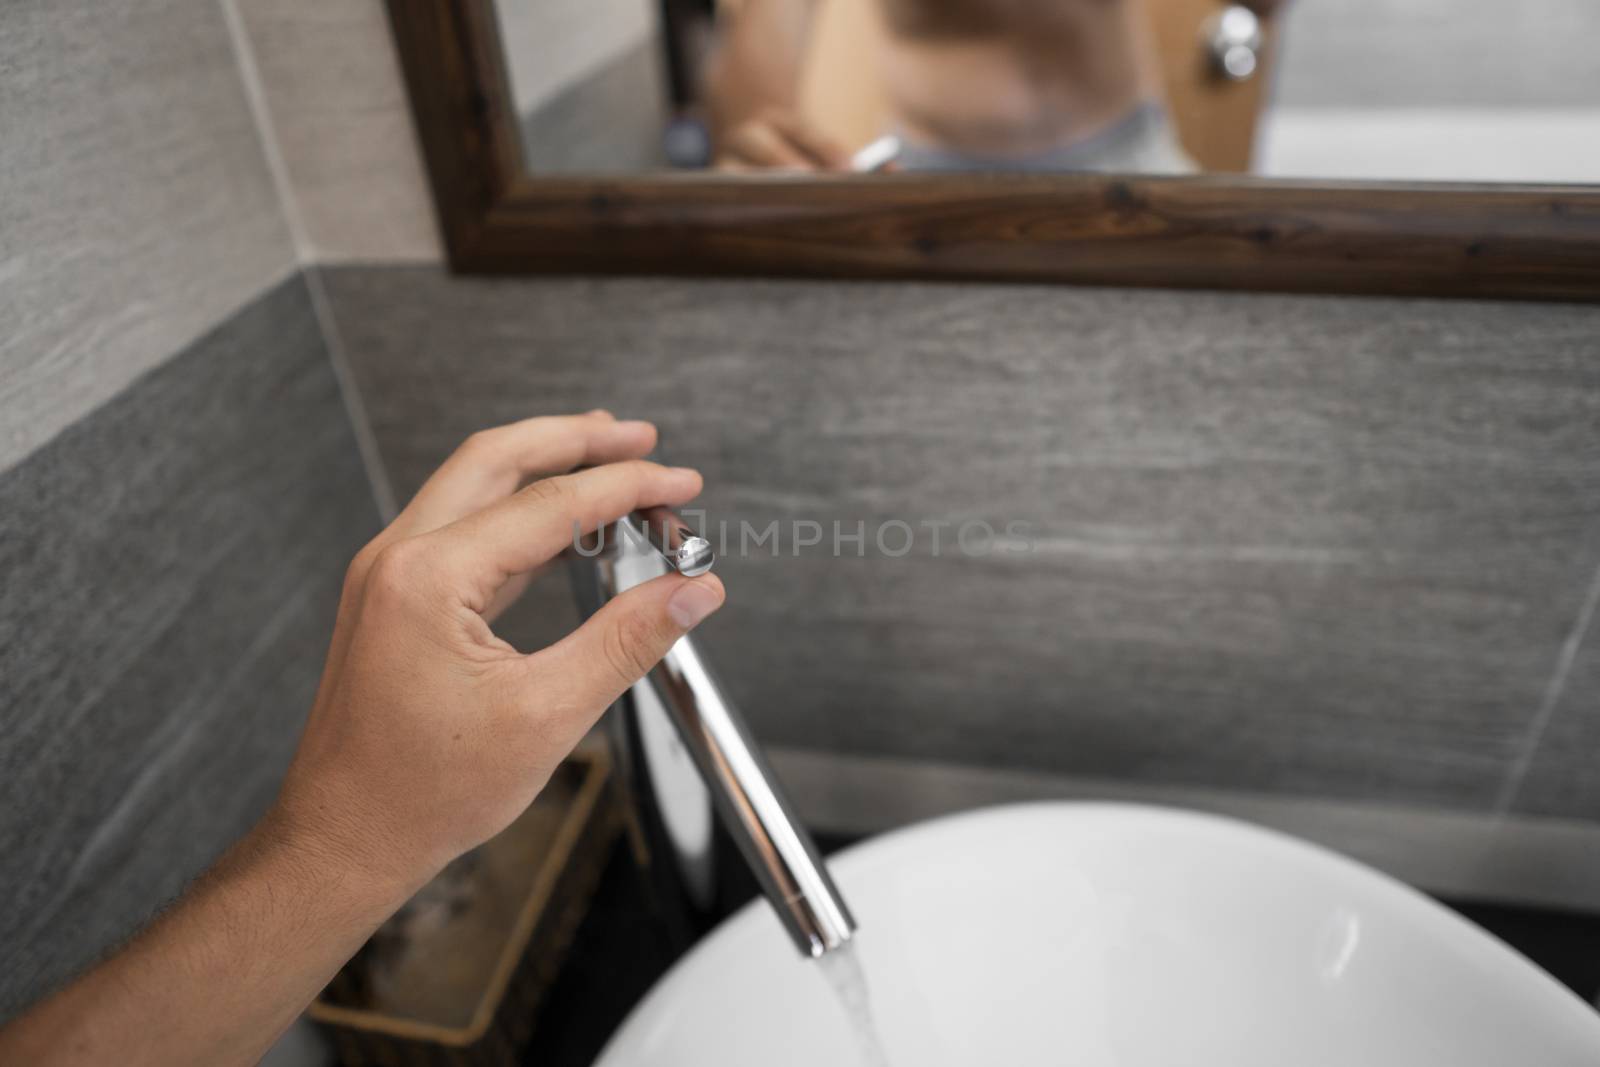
<point x="588" y="80"/>
<point x="1395" y="89"/>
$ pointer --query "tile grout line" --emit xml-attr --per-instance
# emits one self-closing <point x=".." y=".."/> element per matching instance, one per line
<point x="305" y="254"/>
<point x="250" y="78"/>
<point x="366" y="441"/>
<point x="1553" y="690"/>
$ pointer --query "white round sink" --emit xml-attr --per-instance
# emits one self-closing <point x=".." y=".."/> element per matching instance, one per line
<point x="1114" y="936"/>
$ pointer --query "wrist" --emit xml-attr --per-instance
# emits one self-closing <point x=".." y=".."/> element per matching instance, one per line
<point x="336" y="858"/>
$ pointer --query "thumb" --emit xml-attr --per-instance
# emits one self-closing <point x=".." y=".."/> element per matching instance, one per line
<point x="583" y="673"/>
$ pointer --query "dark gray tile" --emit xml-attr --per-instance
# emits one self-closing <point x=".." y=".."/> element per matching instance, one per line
<point x="1313" y="545"/>
<point x="1563" y="772"/>
<point x="170" y="566"/>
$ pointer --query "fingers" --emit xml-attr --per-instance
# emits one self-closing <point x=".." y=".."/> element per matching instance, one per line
<point x="491" y="464"/>
<point x="760" y="146"/>
<point x="782" y="141"/>
<point x="581" y="675"/>
<point x="488" y="467"/>
<point x="827" y="153"/>
<point x="476" y="555"/>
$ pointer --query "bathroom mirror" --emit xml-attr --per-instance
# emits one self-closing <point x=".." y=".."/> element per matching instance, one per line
<point x="1392" y="146"/>
<point x="1353" y="89"/>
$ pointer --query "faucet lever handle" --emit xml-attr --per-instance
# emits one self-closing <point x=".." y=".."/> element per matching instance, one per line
<point x="684" y="550"/>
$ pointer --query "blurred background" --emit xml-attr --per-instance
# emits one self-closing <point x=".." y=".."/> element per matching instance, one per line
<point x="1397" y="89"/>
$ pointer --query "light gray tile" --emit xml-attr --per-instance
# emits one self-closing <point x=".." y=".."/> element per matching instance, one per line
<point x="340" y="116"/>
<point x="136" y="208"/>
<point x="171" y="564"/>
<point x="551" y="44"/>
<point x="1439" y="53"/>
<point x="611" y="121"/>
<point x="1314" y="545"/>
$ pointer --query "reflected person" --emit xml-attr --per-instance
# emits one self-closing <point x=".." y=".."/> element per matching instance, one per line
<point x="1029" y="85"/>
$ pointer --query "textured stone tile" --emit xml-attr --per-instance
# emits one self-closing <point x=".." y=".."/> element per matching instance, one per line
<point x="1563" y="772"/>
<point x="136" y="208"/>
<point x="1314" y="545"/>
<point x="171" y="562"/>
<point x="331" y="81"/>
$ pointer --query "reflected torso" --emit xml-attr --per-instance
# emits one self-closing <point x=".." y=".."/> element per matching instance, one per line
<point x="1007" y="78"/>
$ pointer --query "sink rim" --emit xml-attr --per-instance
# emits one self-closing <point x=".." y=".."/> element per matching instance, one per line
<point x="1378" y="889"/>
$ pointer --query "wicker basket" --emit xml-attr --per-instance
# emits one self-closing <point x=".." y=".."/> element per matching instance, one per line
<point x="458" y="977"/>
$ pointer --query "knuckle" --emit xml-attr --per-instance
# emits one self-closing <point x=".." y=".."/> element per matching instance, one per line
<point x="629" y="648"/>
<point x="477" y="442"/>
<point x="397" y="571"/>
<point x="355" y="575"/>
<point x="481" y="447"/>
<point x="639" y="469"/>
<point x="554" y="493"/>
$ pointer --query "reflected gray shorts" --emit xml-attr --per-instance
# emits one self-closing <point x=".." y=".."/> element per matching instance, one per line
<point x="1141" y="143"/>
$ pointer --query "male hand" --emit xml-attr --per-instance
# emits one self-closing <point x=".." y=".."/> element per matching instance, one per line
<point x="430" y="734"/>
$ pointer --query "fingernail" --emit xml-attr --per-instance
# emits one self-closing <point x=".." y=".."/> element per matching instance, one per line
<point x="685" y="470"/>
<point x="602" y="411"/>
<point x="692" y="603"/>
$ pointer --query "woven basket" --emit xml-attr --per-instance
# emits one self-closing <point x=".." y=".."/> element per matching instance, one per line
<point x="457" y="978"/>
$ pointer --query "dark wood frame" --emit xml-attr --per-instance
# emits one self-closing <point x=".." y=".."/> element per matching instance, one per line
<point x="1523" y="242"/>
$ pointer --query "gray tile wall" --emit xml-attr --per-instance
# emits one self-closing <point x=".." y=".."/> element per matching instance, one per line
<point x="177" y="497"/>
<point x="171" y="566"/>
<point x="136" y="207"/>
<point x="551" y="44"/>
<point x="1561" y="773"/>
<point x="612" y="120"/>
<point x="338" y="113"/>
<point x="1439" y="53"/>
<point x="1317" y="546"/>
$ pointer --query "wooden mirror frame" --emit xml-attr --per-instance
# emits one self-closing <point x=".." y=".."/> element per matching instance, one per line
<point x="1211" y="232"/>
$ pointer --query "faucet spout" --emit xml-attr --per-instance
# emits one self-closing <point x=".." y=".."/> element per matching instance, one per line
<point x="743" y="788"/>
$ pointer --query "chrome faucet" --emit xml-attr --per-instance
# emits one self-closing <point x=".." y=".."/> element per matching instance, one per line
<point x="743" y="788"/>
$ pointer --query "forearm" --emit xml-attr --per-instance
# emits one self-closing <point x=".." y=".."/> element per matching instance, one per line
<point x="220" y="976"/>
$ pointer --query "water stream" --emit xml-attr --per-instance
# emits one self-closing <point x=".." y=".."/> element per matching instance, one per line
<point x="844" y="975"/>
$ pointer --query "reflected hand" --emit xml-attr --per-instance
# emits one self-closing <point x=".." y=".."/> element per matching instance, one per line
<point x="780" y="140"/>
